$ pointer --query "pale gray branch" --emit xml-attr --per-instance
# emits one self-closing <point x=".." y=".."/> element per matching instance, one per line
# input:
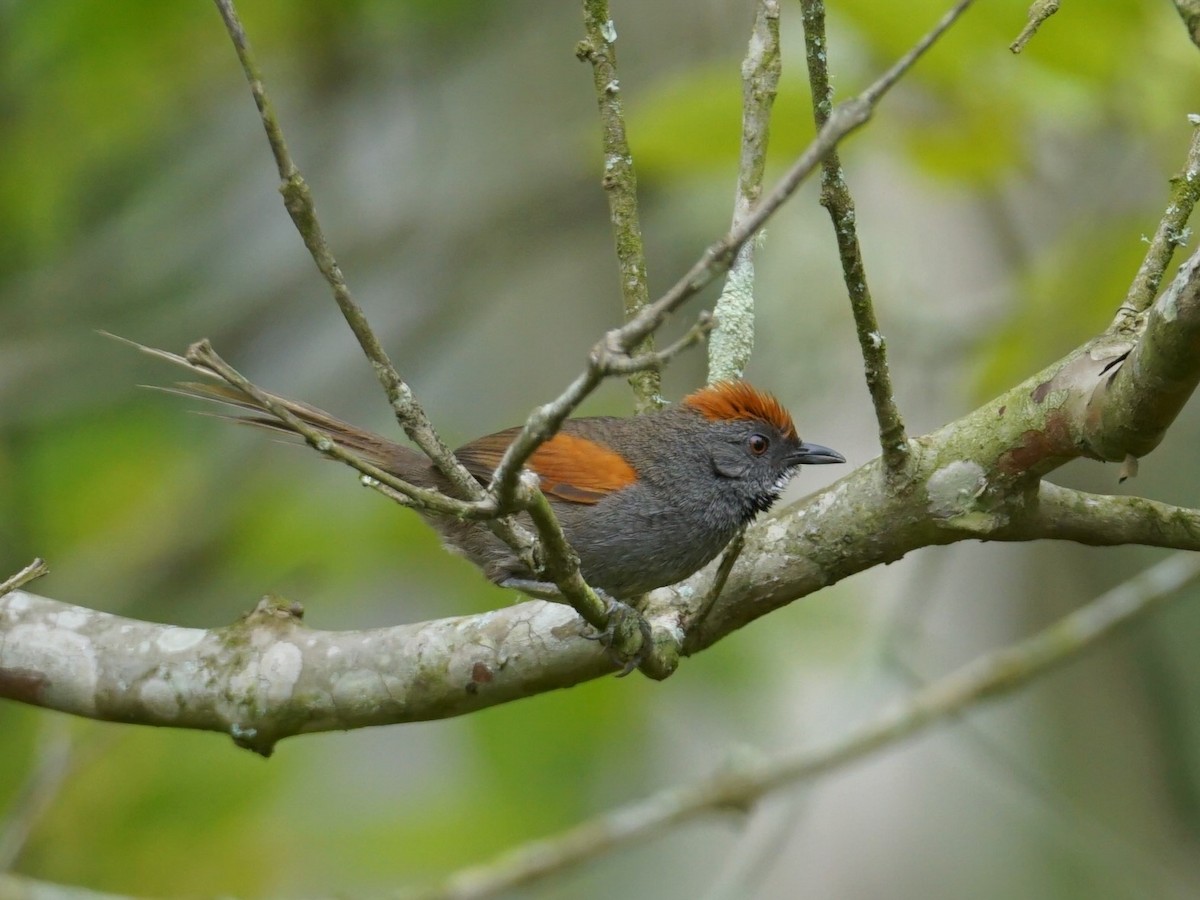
<point x="267" y="676"/>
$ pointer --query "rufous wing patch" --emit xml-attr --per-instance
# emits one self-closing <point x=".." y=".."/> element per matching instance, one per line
<point x="736" y="401"/>
<point x="570" y="467"/>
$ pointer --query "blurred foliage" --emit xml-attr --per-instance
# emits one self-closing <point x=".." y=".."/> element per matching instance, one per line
<point x="452" y="149"/>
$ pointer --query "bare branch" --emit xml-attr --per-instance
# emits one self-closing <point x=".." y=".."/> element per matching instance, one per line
<point x="656" y="359"/>
<point x="300" y="206"/>
<point x="835" y="197"/>
<point x="35" y="569"/>
<point x="1039" y="12"/>
<point x="620" y="184"/>
<point x="991" y="675"/>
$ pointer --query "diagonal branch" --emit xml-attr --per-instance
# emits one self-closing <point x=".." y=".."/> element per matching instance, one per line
<point x="1172" y="232"/>
<point x="844" y="119"/>
<point x="35" y="569"/>
<point x="516" y="492"/>
<point x="300" y="206"/>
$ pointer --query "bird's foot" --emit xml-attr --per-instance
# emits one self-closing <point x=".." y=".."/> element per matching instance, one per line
<point x="626" y="638"/>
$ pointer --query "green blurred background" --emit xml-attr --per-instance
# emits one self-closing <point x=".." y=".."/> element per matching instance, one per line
<point x="454" y="153"/>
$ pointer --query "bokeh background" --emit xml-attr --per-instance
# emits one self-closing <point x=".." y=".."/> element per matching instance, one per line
<point x="454" y="153"/>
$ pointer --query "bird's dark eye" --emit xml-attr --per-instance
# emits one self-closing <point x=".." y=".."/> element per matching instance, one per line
<point x="758" y="444"/>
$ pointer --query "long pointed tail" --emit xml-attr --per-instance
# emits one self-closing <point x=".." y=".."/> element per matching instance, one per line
<point x="388" y="455"/>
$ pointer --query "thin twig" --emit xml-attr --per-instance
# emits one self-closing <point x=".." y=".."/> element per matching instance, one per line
<point x="300" y="206"/>
<point x="562" y="567"/>
<point x="733" y="340"/>
<point x="620" y="184"/>
<point x="1172" y="232"/>
<point x="835" y="197"/>
<point x="656" y="359"/>
<point x="35" y="569"/>
<point x="991" y="675"/>
<point x="1039" y="12"/>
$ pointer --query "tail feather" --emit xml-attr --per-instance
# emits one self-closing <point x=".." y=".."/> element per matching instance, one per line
<point x="387" y="455"/>
<point x="380" y="451"/>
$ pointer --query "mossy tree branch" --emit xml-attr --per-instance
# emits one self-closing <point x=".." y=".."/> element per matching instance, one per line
<point x="620" y="185"/>
<point x="835" y="197"/>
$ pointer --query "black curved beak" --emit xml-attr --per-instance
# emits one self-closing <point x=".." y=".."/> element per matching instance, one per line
<point x="815" y="455"/>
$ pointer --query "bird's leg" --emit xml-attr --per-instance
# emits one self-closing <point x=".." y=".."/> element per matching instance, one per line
<point x="622" y="619"/>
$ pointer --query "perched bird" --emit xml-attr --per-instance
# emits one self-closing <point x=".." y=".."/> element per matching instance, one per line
<point x="644" y="501"/>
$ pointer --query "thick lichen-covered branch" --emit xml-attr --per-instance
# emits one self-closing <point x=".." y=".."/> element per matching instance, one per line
<point x="267" y="676"/>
